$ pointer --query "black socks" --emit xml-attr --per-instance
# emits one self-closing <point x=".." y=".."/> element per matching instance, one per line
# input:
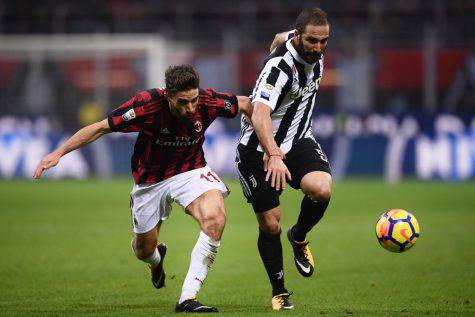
<point x="310" y="214"/>
<point x="270" y="246"/>
<point x="270" y="249"/>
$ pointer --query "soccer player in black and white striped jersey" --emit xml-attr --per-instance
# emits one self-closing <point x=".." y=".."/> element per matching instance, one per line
<point x="278" y="146"/>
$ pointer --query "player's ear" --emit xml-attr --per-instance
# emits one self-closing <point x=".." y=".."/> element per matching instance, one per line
<point x="296" y="36"/>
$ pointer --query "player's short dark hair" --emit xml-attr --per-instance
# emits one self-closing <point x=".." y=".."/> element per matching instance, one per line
<point x="313" y="16"/>
<point x="181" y="78"/>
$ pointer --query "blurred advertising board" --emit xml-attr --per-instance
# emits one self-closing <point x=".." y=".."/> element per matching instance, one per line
<point x="440" y="146"/>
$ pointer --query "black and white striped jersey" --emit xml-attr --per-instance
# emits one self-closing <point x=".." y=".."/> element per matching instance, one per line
<point x="288" y="85"/>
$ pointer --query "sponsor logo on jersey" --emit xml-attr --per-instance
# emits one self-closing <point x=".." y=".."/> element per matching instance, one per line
<point x="309" y="89"/>
<point x="129" y="115"/>
<point x="198" y="126"/>
<point x="165" y="131"/>
<point x="179" y="141"/>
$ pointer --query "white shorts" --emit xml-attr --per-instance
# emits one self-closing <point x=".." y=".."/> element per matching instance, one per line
<point x="151" y="203"/>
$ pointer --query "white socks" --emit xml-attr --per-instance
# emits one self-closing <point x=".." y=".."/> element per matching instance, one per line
<point x="202" y="257"/>
<point x="154" y="259"/>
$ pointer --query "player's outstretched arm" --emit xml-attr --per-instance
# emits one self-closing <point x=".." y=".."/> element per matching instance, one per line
<point x="245" y="107"/>
<point x="273" y="162"/>
<point x="84" y="136"/>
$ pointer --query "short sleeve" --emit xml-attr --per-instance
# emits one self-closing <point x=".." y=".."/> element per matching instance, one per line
<point x="219" y="104"/>
<point x="129" y="116"/>
<point x="269" y="85"/>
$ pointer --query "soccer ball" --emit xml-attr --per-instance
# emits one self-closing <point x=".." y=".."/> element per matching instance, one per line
<point x="397" y="230"/>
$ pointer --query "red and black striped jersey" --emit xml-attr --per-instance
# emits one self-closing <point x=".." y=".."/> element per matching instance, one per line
<point x="167" y="145"/>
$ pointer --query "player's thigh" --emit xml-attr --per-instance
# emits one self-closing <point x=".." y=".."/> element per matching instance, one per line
<point x="207" y="207"/>
<point x="201" y="193"/>
<point x="305" y="158"/>
<point x="317" y="185"/>
<point x="150" y="204"/>
<point x="256" y="189"/>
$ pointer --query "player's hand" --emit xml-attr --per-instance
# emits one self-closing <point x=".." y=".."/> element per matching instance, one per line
<point x="277" y="172"/>
<point x="48" y="161"/>
<point x="265" y="159"/>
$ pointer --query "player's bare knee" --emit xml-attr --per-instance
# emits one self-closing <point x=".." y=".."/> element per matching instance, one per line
<point x="219" y="221"/>
<point x="269" y="221"/>
<point x="320" y="194"/>
<point x="271" y="226"/>
<point x="213" y="224"/>
<point x="143" y="249"/>
<point x="144" y="252"/>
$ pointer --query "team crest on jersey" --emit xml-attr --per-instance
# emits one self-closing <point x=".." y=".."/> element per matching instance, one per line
<point x="294" y="69"/>
<point x="198" y="126"/>
<point x="253" y="181"/>
<point x="295" y="74"/>
<point x="129" y="115"/>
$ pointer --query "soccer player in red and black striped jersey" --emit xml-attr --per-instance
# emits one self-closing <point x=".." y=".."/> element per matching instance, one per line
<point x="169" y="165"/>
<point x="170" y="139"/>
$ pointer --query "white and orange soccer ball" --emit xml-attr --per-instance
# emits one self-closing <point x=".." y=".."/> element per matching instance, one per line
<point x="397" y="230"/>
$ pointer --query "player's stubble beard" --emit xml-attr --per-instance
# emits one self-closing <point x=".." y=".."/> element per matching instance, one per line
<point x="178" y="115"/>
<point x="309" y="57"/>
<point x="175" y="112"/>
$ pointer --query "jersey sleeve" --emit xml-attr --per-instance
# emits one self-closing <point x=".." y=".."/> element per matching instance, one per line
<point x="129" y="116"/>
<point x="219" y="104"/>
<point x="270" y="83"/>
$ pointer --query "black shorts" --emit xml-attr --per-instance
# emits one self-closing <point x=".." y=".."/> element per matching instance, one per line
<point x="305" y="156"/>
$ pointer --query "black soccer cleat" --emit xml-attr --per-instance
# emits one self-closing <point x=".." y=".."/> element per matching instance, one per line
<point x="193" y="306"/>
<point x="282" y="301"/>
<point x="158" y="273"/>
<point x="302" y="256"/>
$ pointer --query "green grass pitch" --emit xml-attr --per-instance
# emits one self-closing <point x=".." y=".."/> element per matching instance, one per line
<point x="65" y="251"/>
